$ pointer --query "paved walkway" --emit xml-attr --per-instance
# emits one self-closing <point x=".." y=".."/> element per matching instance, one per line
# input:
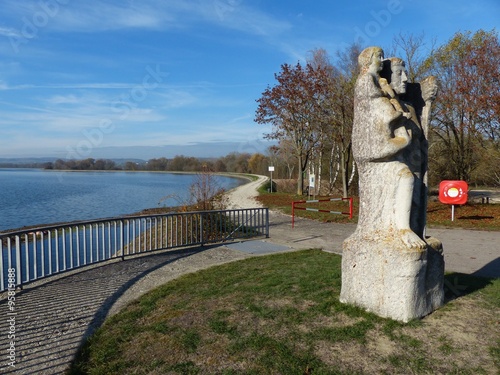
<point x="54" y="316"/>
<point x="466" y="251"/>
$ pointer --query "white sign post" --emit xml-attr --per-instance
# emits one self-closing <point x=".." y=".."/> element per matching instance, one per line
<point x="312" y="179"/>
<point x="271" y="170"/>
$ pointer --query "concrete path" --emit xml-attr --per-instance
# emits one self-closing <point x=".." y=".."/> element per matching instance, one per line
<point x="54" y="315"/>
<point x="465" y="251"/>
<point x="470" y="251"/>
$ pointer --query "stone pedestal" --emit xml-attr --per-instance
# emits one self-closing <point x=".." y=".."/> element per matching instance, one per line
<point x="389" y="279"/>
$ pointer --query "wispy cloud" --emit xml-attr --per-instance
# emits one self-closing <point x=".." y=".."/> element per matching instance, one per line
<point x="240" y="16"/>
<point x="9" y="32"/>
<point x="69" y="86"/>
<point x="102" y="16"/>
<point x="97" y="16"/>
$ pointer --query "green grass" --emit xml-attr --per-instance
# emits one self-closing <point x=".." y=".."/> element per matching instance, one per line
<point x="281" y="314"/>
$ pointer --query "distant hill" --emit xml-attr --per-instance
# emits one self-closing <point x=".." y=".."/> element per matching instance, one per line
<point x="39" y="162"/>
<point x="26" y="160"/>
<point x="140" y="154"/>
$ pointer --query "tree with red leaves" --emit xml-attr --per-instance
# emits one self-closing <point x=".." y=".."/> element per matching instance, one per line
<point x="295" y="108"/>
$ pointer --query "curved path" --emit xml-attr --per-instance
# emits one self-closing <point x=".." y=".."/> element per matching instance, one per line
<point x="53" y="316"/>
<point x="244" y="195"/>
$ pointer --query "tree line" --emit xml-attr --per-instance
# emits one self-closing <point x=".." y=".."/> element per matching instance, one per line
<point x="311" y="109"/>
<point x="234" y="162"/>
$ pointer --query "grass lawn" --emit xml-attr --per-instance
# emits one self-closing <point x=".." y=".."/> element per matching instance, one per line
<point x="280" y="314"/>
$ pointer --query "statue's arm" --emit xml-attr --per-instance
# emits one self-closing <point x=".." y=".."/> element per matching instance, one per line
<point x="429" y="89"/>
<point x="391" y="144"/>
<point x="378" y="141"/>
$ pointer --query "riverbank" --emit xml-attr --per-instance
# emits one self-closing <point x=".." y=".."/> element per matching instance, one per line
<point x="31" y="198"/>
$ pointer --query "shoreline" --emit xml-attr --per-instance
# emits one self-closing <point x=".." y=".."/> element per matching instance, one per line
<point x="239" y="176"/>
<point x="236" y="195"/>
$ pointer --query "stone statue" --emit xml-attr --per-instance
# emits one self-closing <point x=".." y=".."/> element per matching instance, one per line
<point x="388" y="265"/>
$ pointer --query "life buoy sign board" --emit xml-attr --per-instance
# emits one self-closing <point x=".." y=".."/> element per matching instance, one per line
<point x="453" y="192"/>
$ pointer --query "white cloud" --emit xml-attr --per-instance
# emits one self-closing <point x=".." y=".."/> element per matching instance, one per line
<point x="97" y="16"/>
<point x="63" y="99"/>
<point x="70" y="86"/>
<point x="100" y="16"/>
<point x="9" y="32"/>
<point x="239" y="16"/>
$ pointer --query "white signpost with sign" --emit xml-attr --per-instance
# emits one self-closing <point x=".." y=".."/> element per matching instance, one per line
<point x="312" y="183"/>
<point x="271" y="170"/>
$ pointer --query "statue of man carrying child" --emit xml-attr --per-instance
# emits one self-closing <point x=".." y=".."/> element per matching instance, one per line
<point x="389" y="266"/>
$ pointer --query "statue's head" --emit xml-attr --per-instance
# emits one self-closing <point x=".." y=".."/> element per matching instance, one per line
<point x="370" y="57"/>
<point x="394" y="71"/>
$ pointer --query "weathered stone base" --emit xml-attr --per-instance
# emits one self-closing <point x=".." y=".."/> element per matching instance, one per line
<point x="390" y="281"/>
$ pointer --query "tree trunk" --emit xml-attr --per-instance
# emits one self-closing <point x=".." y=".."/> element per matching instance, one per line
<point x="320" y="171"/>
<point x="333" y="176"/>
<point x="300" y="178"/>
<point x="344" y="174"/>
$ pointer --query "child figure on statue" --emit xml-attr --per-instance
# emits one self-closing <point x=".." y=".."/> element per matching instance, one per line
<point x="381" y="85"/>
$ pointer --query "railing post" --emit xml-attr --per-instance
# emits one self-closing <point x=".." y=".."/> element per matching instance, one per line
<point x="122" y="228"/>
<point x="63" y="240"/>
<point x="267" y="222"/>
<point x="201" y="229"/>
<point x="1" y="265"/>
<point x="18" y="262"/>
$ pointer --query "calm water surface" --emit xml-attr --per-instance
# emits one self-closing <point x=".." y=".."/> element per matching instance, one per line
<point x="33" y="196"/>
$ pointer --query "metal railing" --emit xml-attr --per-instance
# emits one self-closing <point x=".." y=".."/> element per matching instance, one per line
<point x="296" y="203"/>
<point x="32" y="254"/>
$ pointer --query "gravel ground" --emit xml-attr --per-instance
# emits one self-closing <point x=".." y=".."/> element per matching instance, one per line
<point x="244" y="195"/>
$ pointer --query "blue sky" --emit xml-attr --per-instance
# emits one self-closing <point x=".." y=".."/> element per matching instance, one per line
<point x="156" y="78"/>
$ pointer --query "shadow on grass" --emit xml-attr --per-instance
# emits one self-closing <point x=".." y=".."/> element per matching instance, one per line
<point x="475" y="217"/>
<point x="460" y="284"/>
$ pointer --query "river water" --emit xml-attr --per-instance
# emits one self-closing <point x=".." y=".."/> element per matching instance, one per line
<point x="35" y="197"/>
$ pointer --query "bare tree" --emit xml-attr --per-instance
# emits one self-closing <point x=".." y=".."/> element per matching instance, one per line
<point x="284" y="155"/>
<point x="206" y="192"/>
<point x="411" y="48"/>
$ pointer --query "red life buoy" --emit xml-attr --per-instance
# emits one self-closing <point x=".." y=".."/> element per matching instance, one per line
<point x="453" y="192"/>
